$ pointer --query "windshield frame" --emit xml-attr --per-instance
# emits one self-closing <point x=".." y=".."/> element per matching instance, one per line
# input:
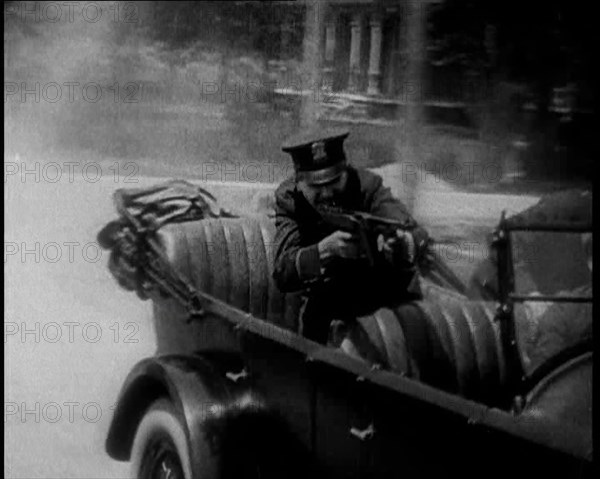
<point x="519" y="381"/>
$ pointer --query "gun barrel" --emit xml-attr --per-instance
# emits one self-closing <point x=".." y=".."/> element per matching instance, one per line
<point x="340" y="217"/>
<point x="379" y="220"/>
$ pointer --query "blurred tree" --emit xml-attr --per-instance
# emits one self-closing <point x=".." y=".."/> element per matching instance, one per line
<point x="251" y="26"/>
<point x="411" y="134"/>
<point x="541" y="47"/>
<point x="313" y="40"/>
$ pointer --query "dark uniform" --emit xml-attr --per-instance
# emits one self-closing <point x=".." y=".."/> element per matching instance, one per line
<point x="342" y="288"/>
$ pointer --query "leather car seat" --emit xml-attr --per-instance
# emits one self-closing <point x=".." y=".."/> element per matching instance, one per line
<point x="232" y="260"/>
<point x="462" y="344"/>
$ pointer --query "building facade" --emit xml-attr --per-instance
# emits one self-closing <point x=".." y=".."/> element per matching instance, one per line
<point x="364" y="58"/>
<point x="364" y="47"/>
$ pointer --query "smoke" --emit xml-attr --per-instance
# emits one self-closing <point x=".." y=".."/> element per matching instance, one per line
<point x="110" y="81"/>
<point x="86" y="79"/>
<point x="51" y="54"/>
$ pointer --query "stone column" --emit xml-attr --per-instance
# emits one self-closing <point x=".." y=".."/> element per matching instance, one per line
<point x="375" y="55"/>
<point x="355" y="41"/>
<point x="330" y="39"/>
<point x="329" y="68"/>
<point x="313" y="43"/>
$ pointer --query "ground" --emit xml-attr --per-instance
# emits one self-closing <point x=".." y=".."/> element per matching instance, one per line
<point x="71" y="335"/>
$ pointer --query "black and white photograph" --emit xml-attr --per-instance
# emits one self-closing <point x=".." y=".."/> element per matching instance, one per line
<point x="299" y="239"/>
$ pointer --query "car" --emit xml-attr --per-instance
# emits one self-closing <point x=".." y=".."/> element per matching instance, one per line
<point x="235" y="391"/>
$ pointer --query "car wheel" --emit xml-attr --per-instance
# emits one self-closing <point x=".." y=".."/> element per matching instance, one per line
<point x="160" y="448"/>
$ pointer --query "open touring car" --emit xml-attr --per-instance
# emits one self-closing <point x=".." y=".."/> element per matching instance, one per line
<point x="472" y="383"/>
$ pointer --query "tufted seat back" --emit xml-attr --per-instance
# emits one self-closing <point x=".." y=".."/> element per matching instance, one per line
<point x="464" y="351"/>
<point x="444" y="340"/>
<point x="232" y="260"/>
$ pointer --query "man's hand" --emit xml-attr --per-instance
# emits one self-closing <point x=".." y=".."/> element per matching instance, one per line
<point x="339" y="244"/>
<point x="399" y="249"/>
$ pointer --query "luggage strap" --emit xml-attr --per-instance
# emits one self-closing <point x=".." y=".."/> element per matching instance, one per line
<point x="138" y="260"/>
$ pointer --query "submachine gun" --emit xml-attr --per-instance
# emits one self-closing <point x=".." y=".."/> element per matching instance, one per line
<point x="365" y="227"/>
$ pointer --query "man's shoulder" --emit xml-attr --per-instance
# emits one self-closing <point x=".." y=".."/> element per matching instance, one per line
<point x="284" y="194"/>
<point x="369" y="181"/>
<point x="285" y="187"/>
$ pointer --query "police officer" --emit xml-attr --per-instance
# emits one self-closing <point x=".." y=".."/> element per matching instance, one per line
<point x="328" y="266"/>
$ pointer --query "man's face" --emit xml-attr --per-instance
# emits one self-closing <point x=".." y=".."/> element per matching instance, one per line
<point x="329" y="194"/>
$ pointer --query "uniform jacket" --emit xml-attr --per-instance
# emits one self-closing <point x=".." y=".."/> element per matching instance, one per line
<point x="354" y="288"/>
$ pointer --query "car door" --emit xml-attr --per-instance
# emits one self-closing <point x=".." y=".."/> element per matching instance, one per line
<point x="279" y="374"/>
<point x="342" y="421"/>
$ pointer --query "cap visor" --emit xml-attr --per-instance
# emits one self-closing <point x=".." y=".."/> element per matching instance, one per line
<point x="323" y="181"/>
<point x="324" y="176"/>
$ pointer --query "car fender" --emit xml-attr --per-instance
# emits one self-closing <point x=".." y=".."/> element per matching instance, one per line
<point x="196" y="388"/>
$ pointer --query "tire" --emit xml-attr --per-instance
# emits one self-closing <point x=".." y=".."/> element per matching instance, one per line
<point x="160" y="448"/>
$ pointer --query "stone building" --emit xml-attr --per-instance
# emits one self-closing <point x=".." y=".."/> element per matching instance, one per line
<point x="364" y="45"/>
<point x="363" y="60"/>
